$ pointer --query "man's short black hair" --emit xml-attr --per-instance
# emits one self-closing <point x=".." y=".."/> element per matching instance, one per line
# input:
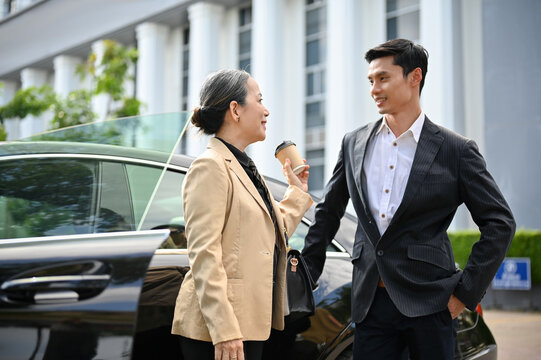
<point x="406" y="54"/>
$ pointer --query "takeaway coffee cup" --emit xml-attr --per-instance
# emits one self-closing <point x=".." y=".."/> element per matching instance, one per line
<point x="288" y="150"/>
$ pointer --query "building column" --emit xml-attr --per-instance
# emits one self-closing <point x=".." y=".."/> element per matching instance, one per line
<point x="65" y="78"/>
<point x="438" y="96"/>
<point x="442" y="97"/>
<point x="293" y="86"/>
<point x="7" y="92"/>
<point x="229" y="39"/>
<point x="205" y="28"/>
<point x="32" y="125"/>
<point x="472" y="60"/>
<point x="372" y="33"/>
<point x="344" y="78"/>
<point x="150" y="87"/>
<point x="173" y="69"/>
<point x="268" y="70"/>
<point x="100" y="102"/>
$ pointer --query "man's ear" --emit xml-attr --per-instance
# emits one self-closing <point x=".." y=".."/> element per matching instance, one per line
<point x="416" y="75"/>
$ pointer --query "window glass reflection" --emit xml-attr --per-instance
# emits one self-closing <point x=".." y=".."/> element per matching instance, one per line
<point x="166" y="212"/>
<point x="312" y="52"/>
<point x="47" y="197"/>
<point x="313" y="21"/>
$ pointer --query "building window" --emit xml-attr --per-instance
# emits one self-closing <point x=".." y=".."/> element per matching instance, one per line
<point x="12" y="6"/>
<point x="403" y="19"/>
<point x="185" y="79"/>
<point x="315" y="91"/>
<point x="185" y="67"/>
<point x="245" y="37"/>
<point x="7" y="7"/>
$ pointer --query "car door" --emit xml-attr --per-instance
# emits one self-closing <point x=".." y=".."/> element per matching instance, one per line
<point x="72" y="297"/>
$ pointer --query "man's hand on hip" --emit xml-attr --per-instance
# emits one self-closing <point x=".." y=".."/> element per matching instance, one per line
<point x="455" y="306"/>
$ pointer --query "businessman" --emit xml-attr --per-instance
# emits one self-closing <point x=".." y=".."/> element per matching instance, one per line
<point x="406" y="176"/>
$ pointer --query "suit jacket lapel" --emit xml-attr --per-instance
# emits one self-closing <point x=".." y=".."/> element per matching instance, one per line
<point x="427" y="148"/>
<point x="238" y="170"/>
<point x="359" y="151"/>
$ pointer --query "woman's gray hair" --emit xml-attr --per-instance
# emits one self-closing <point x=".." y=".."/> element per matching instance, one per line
<point x="217" y="92"/>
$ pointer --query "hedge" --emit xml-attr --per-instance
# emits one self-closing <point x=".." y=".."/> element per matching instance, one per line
<point x="526" y="243"/>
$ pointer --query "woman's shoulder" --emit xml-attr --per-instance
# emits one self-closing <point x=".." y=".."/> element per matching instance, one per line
<point x="209" y="160"/>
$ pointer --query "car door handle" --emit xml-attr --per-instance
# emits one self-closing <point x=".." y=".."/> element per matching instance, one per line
<point x="52" y="297"/>
<point x="53" y="288"/>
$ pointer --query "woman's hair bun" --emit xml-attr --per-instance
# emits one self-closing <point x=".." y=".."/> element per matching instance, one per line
<point x="208" y="119"/>
<point x="196" y="117"/>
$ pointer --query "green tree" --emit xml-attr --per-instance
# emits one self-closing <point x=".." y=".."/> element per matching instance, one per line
<point x="29" y="101"/>
<point x="108" y="76"/>
<point x="75" y="109"/>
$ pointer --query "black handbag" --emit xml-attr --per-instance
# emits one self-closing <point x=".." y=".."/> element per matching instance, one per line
<point x="300" y="299"/>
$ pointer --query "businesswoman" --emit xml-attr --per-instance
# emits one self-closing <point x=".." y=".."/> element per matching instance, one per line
<point x="235" y="290"/>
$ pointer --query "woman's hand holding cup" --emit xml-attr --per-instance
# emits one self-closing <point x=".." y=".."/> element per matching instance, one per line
<point x="294" y="166"/>
<point x="300" y="180"/>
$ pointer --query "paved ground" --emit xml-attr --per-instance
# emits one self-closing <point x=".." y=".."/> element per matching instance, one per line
<point x="518" y="334"/>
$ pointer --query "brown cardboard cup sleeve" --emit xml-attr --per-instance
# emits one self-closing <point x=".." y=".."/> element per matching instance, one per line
<point x="288" y="149"/>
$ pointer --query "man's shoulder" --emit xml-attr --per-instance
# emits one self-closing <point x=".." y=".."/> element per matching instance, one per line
<point x="445" y="132"/>
<point x="352" y="135"/>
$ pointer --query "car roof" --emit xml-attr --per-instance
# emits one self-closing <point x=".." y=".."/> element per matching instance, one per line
<point x="60" y="147"/>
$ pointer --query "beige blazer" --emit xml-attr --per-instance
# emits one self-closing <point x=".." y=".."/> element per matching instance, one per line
<point x="228" y="293"/>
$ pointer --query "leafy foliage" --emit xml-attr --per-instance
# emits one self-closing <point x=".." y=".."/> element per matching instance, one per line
<point x="526" y="243"/>
<point x="108" y="77"/>
<point x="3" y="133"/>
<point x="130" y="107"/>
<point x="113" y="66"/>
<point x="75" y="109"/>
<point x="30" y="101"/>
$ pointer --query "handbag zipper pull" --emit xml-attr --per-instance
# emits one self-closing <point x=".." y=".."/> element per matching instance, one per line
<point x="294" y="262"/>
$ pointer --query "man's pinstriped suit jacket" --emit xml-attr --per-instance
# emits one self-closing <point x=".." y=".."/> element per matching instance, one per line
<point x="414" y="257"/>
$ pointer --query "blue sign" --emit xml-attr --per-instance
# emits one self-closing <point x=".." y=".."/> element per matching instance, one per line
<point x="513" y="274"/>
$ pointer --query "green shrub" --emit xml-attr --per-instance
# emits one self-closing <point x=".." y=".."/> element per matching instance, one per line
<point x="526" y="243"/>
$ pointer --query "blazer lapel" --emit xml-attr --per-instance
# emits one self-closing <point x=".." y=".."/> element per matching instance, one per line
<point x="359" y="151"/>
<point x="239" y="171"/>
<point x="427" y="148"/>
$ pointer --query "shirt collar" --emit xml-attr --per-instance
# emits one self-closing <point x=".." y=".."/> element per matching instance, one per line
<point x="241" y="156"/>
<point x="415" y="128"/>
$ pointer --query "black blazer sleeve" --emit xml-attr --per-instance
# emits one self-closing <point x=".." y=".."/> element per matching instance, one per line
<point x="328" y="214"/>
<point x="491" y="213"/>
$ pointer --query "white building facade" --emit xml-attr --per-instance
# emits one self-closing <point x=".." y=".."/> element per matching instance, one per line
<point x="308" y="58"/>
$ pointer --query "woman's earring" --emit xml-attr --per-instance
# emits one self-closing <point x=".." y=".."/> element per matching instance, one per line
<point x="238" y="118"/>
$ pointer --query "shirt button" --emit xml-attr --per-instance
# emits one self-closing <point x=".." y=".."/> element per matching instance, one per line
<point x="386" y="191"/>
<point x="394" y="144"/>
<point x="383" y="215"/>
<point x="391" y="167"/>
<point x="380" y="252"/>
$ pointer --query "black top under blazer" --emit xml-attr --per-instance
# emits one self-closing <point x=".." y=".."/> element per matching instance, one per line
<point x="414" y="256"/>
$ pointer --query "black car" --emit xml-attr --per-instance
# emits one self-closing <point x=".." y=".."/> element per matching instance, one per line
<point x="92" y="251"/>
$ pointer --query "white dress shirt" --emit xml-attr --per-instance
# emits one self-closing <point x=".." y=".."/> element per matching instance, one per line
<point x="386" y="168"/>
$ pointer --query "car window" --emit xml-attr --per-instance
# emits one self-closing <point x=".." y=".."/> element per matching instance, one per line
<point x="56" y="196"/>
<point x="296" y="241"/>
<point x="115" y="210"/>
<point x="141" y="180"/>
<point x="41" y="197"/>
<point x="166" y="212"/>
